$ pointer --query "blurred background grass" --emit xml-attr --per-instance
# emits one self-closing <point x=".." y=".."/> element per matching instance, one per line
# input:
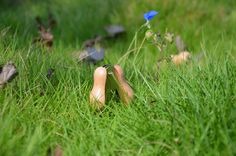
<point x="79" y="20"/>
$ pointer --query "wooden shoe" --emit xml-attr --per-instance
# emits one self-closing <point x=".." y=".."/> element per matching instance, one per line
<point x="124" y="90"/>
<point x="97" y="94"/>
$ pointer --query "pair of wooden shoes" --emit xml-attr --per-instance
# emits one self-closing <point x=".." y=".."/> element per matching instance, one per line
<point x="98" y="93"/>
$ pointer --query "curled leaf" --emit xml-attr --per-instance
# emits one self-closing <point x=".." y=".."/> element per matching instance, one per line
<point x="91" y="42"/>
<point x="8" y="72"/>
<point x="95" y="54"/>
<point x="90" y="54"/>
<point x="83" y="55"/>
<point x="115" y="30"/>
<point x="45" y="35"/>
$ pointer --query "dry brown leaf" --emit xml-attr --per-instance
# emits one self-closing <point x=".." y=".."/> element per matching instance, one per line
<point x="80" y="55"/>
<point x="8" y="72"/>
<point x="91" y="42"/>
<point x="45" y="36"/>
<point x="90" y="54"/>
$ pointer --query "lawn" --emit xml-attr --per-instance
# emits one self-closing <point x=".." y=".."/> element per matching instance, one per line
<point x="178" y="110"/>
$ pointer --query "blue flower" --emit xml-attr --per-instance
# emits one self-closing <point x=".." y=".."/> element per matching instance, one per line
<point x="149" y="15"/>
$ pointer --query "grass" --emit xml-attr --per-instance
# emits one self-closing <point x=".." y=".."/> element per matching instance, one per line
<point x="189" y="110"/>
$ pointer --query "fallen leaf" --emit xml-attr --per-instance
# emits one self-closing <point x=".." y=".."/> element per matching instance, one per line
<point x="8" y="73"/>
<point x="114" y="30"/>
<point x="82" y="55"/>
<point x="90" y="54"/>
<point x="91" y="42"/>
<point x="45" y="36"/>
<point x="50" y="73"/>
<point x="95" y="54"/>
